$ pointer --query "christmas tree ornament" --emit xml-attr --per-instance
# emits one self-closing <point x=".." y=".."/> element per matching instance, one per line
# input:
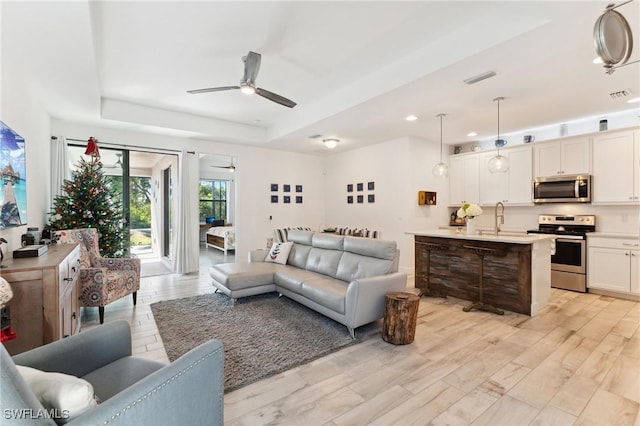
<point x="92" y="148"/>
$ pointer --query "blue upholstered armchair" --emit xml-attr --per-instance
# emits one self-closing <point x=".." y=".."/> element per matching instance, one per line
<point x="132" y="391"/>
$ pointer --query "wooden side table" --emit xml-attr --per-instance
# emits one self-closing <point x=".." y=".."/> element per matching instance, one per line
<point x="400" y="317"/>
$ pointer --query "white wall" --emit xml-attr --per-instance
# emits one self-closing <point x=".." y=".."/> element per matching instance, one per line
<point x="399" y="168"/>
<point x="256" y="169"/>
<point x="22" y="111"/>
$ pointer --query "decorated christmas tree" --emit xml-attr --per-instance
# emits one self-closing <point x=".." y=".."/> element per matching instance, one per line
<point x="89" y="201"/>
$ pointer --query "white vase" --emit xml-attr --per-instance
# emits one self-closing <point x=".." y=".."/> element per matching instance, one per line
<point x="471" y="226"/>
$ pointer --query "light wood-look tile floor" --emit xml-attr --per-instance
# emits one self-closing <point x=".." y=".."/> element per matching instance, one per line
<point x="577" y="363"/>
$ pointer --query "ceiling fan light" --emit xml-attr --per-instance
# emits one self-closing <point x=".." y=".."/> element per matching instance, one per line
<point x="330" y="143"/>
<point x="247" y="89"/>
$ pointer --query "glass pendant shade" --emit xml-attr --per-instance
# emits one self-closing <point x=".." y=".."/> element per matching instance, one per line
<point x="499" y="163"/>
<point x="441" y="169"/>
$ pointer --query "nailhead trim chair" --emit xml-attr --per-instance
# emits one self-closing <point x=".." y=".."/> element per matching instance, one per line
<point x="102" y="280"/>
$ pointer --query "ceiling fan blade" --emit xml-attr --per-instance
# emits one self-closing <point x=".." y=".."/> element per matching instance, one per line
<point x="251" y="67"/>
<point x="212" y="89"/>
<point x="275" y="97"/>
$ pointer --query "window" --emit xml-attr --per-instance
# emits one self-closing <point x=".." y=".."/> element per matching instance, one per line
<point x="213" y="199"/>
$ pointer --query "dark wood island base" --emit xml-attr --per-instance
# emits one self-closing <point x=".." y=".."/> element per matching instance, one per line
<point x="513" y="270"/>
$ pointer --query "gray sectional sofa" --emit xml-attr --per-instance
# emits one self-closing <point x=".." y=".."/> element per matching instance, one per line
<point x="343" y="278"/>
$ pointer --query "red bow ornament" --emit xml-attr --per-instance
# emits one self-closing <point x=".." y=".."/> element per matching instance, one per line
<point x="92" y="148"/>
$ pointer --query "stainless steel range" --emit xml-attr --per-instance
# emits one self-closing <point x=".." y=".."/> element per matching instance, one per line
<point x="569" y="262"/>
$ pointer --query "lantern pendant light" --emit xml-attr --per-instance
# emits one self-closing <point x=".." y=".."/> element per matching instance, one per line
<point x="441" y="169"/>
<point x="499" y="163"/>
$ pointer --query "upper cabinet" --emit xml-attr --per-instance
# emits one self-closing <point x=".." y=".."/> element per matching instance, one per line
<point x="512" y="187"/>
<point x="616" y="168"/>
<point x="464" y="176"/>
<point x="570" y="156"/>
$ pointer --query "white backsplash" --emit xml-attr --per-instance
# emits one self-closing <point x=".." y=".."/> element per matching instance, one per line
<point x="614" y="219"/>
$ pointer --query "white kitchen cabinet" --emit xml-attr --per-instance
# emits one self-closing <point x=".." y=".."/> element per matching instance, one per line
<point x="512" y="187"/>
<point x="614" y="264"/>
<point x="616" y="168"/>
<point x="570" y="156"/>
<point x="464" y="177"/>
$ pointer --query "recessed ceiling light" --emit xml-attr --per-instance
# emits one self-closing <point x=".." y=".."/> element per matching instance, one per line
<point x="633" y="101"/>
<point x="411" y="117"/>
<point x="472" y="134"/>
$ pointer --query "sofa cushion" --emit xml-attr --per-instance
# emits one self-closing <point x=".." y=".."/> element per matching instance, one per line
<point x="328" y="241"/>
<point x="328" y="292"/>
<point x="323" y="261"/>
<point x="240" y="275"/>
<point x="279" y="253"/>
<point x="300" y="237"/>
<point x="299" y="255"/>
<point x="373" y="248"/>
<point x="354" y="266"/>
<point x="292" y="278"/>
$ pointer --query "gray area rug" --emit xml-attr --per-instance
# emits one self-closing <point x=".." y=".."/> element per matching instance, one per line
<point x="262" y="335"/>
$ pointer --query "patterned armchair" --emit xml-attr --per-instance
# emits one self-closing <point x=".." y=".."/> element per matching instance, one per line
<point x="101" y="280"/>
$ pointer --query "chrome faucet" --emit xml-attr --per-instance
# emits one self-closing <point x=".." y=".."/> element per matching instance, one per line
<point x="496" y="216"/>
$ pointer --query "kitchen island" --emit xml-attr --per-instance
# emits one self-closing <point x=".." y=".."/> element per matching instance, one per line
<point x="517" y="268"/>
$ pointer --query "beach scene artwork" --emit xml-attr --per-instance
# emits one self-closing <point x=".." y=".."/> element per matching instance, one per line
<point x="13" y="196"/>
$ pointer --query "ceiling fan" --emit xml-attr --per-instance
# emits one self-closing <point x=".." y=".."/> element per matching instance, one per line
<point x="116" y="165"/>
<point x="230" y="167"/>
<point x="248" y="82"/>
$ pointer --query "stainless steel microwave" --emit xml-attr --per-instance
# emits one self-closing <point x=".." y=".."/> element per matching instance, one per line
<point x="562" y="189"/>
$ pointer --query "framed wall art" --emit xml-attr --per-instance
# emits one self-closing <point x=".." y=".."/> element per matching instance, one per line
<point x="13" y="195"/>
<point x="274" y="187"/>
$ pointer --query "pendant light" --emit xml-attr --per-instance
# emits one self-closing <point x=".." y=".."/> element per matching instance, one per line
<point x="499" y="163"/>
<point x="441" y="169"/>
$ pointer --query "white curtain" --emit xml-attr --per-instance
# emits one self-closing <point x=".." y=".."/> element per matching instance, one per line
<point x="186" y="241"/>
<point x="59" y="167"/>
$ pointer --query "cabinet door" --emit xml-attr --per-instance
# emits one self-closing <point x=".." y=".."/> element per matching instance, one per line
<point x="456" y="181"/>
<point x="575" y="156"/>
<point x="463" y="180"/>
<point x="472" y="179"/>
<point x="613" y="169"/>
<point x="547" y="159"/>
<point x="609" y="269"/>
<point x="636" y="165"/>
<point x="519" y="176"/>
<point x="493" y="186"/>
<point x="635" y="271"/>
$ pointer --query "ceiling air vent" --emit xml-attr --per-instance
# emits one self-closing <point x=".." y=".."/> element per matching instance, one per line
<point x="620" y="94"/>
<point x="480" y="77"/>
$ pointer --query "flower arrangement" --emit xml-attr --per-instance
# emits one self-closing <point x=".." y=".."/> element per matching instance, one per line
<point x="469" y="211"/>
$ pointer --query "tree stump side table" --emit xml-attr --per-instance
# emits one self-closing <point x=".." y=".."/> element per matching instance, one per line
<point x="400" y="316"/>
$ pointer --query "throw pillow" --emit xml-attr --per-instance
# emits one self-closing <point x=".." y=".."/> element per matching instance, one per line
<point x="279" y="253"/>
<point x="68" y="396"/>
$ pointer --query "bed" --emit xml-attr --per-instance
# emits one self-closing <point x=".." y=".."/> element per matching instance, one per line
<point x="221" y="236"/>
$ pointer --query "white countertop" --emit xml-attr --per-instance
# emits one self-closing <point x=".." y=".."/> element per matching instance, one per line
<point x="503" y="237"/>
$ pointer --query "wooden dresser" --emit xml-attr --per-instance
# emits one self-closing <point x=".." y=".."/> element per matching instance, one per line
<point x="45" y="305"/>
